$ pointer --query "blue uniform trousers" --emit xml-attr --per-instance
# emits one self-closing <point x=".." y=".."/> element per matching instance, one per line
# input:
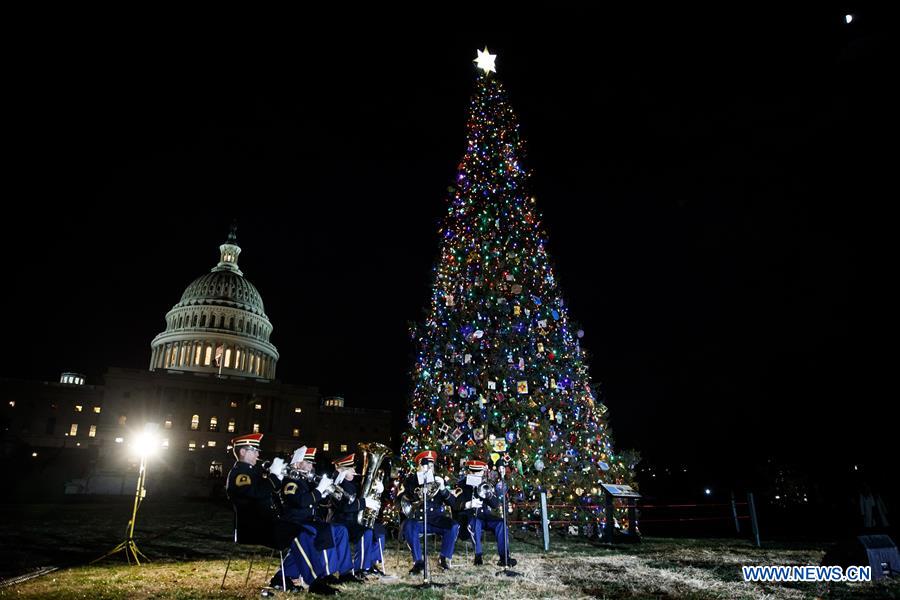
<point x="476" y="526"/>
<point x="412" y="529"/>
<point x="306" y="562"/>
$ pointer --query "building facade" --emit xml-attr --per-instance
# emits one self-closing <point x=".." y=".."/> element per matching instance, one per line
<point x="211" y="377"/>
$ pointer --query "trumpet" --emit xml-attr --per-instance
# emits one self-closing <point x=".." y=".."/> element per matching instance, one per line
<point x="334" y="490"/>
<point x="431" y="488"/>
<point x="485" y="490"/>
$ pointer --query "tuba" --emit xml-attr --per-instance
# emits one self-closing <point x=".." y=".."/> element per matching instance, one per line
<point x="373" y="455"/>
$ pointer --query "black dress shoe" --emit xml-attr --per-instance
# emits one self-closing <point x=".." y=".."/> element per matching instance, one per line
<point x="350" y="578"/>
<point x="511" y="562"/>
<point x="446" y="563"/>
<point x="276" y="583"/>
<point x="479" y="560"/>
<point x="323" y="589"/>
<point x="417" y="568"/>
<point x="330" y="579"/>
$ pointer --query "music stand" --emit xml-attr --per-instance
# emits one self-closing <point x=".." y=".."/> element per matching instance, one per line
<point x="505" y="570"/>
<point x="426" y="572"/>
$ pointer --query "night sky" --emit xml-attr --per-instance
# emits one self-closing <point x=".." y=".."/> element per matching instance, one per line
<point x="713" y="185"/>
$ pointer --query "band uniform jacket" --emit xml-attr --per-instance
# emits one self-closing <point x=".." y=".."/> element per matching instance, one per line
<point x="255" y="500"/>
<point x="347" y="510"/>
<point x="300" y="501"/>
<point x="464" y="493"/>
<point x="436" y="514"/>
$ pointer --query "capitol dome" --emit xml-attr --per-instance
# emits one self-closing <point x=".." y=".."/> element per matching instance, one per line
<point x="219" y="325"/>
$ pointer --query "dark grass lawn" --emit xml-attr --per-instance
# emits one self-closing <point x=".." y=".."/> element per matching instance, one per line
<point x="188" y="544"/>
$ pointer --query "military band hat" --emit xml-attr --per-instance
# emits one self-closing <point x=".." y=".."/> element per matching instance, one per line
<point x="310" y="455"/>
<point x="426" y="456"/>
<point x="251" y="440"/>
<point x="345" y="462"/>
<point x="476" y="466"/>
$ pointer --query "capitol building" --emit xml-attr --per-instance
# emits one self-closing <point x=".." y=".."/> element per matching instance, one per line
<point x="211" y="376"/>
<point x="219" y="325"/>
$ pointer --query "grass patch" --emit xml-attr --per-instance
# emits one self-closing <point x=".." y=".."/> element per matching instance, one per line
<point x="189" y="545"/>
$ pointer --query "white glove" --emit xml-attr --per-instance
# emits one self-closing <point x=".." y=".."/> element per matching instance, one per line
<point x="378" y="487"/>
<point x="440" y="482"/>
<point x="299" y="454"/>
<point x="324" y="484"/>
<point x="373" y="504"/>
<point x="474" y="503"/>
<point x="340" y="477"/>
<point x="277" y="467"/>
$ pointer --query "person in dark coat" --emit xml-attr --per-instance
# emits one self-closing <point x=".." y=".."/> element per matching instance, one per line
<point x="476" y="512"/>
<point x="438" y="521"/>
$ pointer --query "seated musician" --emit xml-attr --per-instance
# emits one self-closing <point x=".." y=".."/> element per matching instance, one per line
<point x="478" y="507"/>
<point x="438" y="522"/>
<point x="324" y="548"/>
<point x="254" y="495"/>
<point x="369" y="544"/>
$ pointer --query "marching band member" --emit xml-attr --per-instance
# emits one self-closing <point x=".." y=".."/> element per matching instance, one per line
<point x="323" y="548"/>
<point x="254" y="496"/>
<point x="369" y="543"/>
<point x="476" y="500"/>
<point x="438" y="521"/>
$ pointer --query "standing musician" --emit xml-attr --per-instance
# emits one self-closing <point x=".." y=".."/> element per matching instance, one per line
<point x="369" y="542"/>
<point x="254" y="495"/>
<point x="324" y="548"/>
<point x="476" y="501"/>
<point x="422" y="482"/>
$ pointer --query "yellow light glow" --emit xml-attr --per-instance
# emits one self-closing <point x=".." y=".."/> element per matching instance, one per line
<point x="145" y="444"/>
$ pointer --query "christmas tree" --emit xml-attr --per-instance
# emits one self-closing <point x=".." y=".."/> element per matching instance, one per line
<point x="500" y="372"/>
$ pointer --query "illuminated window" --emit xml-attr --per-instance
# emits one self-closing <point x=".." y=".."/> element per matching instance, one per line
<point x="237" y="358"/>
<point x="122" y="419"/>
<point x="164" y="442"/>
<point x="97" y="409"/>
<point x="12" y="403"/>
<point x="214" y="423"/>
<point x="257" y="406"/>
<point x="78" y="408"/>
<point x="296" y="432"/>
<point x="228" y="358"/>
<point x="197" y="353"/>
<point x="230" y="425"/>
<point x="211" y="443"/>
<point x="192" y="445"/>
<point x="298" y="410"/>
<point x="119" y="440"/>
<point x="343" y="447"/>
<point x="325" y="447"/>
<point x="168" y="422"/>
<point x="93" y="431"/>
<point x="73" y="430"/>
<point x="208" y="358"/>
<point x="233" y="404"/>
<point x="256" y="428"/>
<point x="215" y="469"/>
<point x="195" y="422"/>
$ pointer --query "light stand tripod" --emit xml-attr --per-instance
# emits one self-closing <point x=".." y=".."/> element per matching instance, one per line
<point x="505" y="570"/>
<point x="127" y="545"/>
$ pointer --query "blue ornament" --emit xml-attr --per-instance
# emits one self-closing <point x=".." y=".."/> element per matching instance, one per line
<point x="555" y="314"/>
<point x="510" y="436"/>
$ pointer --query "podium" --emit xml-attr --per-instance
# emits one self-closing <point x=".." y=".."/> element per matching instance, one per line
<point x="610" y="493"/>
